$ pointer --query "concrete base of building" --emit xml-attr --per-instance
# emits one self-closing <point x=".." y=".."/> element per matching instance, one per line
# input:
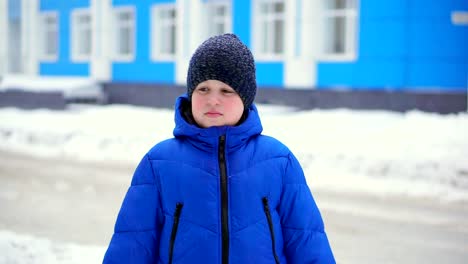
<point x="400" y="101"/>
<point x="32" y="100"/>
<point x="164" y="96"/>
<point x="152" y="95"/>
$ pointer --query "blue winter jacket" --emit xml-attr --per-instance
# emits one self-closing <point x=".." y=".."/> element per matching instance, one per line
<point x="219" y="195"/>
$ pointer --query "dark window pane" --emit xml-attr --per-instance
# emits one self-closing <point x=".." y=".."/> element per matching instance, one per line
<point x="220" y="10"/>
<point x="335" y="4"/>
<point x="339" y="44"/>
<point x="279" y="36"/>
<point x="279" y="8"/>
<point x="173" y="40"/>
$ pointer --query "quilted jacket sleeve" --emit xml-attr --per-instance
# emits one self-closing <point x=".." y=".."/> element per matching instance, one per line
<point x="136" y="234"/>
<point x="303" y="229"/>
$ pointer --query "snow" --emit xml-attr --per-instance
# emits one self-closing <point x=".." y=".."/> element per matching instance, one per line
<point x="72" y="88"/>
<point x="18" y="248"/>
<point x="377" y="152"/>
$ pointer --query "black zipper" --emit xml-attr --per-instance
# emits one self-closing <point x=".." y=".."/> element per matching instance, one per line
<point x="174" y="230"/>
<point x="224" y="200"/>
<point x="266" y="208"/>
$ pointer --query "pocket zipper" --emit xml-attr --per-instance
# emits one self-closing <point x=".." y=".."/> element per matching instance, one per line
<point x="266" y="208"/>
<point x="174" y="229"/>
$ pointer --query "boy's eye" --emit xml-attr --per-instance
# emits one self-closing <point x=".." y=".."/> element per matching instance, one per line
<point x="202" y="89"/>
<point x="228" y="91"/>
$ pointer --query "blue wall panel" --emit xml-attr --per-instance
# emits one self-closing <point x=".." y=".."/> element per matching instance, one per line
<point x="334" y="75"/>
<point x="64" y="69"/>
<point x="63" y="65"/>
<point x="140" y="3"/>
<point x="438" y="40"/>
<point x="421" y="9"/>
<point x="382" y="9"/>
<point x="368" y="74"/>
<point x="438" y="53"/>
<point x="241" y="25"/>
<point x="142" y="68"/>
<point x="404" y="45"/>
<point x="385" y="38"/>
<point x="144" y="72"/>
<point x="270" y="74"/>
<point x="378" y="74"/>
<point x="439" y="75"/>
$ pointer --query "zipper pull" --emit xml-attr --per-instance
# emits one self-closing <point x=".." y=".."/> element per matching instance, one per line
<point x="265" y="203"/>
<point x="178" y="210"/>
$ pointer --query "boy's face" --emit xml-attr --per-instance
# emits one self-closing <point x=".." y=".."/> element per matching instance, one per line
<point x="215" y="103"/>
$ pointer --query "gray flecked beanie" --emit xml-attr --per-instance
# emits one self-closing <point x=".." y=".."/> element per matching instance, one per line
<point x="224" y="58"/>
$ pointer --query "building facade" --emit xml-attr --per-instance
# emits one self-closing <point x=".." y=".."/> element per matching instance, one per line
<point x="410" y="45"/>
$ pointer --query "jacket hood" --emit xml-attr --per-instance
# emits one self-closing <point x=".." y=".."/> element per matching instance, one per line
<point x="236" y="136"/>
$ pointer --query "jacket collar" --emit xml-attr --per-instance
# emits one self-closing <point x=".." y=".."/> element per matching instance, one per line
<point x="236" y="136"/>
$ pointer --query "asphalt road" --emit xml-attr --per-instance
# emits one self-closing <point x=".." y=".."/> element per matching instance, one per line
<point x="65" y="200"/>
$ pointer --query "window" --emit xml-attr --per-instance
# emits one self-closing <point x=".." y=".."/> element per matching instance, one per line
<point x="270" y="28"/>
<point x="81" y="35"/>
<point x="339" y="27"/>
<point x="164" y="32"/>
<point x="49" y="32"/>
<point x="124" y="34"/>
<point x="218" y="17"/>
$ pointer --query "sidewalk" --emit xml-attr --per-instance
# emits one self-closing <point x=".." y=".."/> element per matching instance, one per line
<point x="66" y="201"/>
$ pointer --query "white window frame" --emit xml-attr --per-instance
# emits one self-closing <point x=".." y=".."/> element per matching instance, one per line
<point x="264" y="47"/>
<point x="45" y="40"/>
<point x="350" y="16"/>
<point x="160" y="26"/>
<point x="117" y="26"/>
<point x="78" y="35"/>
<point x="212" y="19"/>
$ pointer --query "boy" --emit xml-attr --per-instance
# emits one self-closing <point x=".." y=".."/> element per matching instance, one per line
<point x="219" y="191"/>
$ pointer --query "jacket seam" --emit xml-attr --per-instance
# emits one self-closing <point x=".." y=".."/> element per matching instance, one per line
<point x="184" y="163"/>
<point x="190" y="222"/>
<point x="144" y="246"/>
<point x="156" y="180"/>
<point x="283" y="175"/>
<point x="152" y="171"/>
<point x="157" y="184"/>
<point x="251" y="224"/>
<point x="257" y="164"/>
<point x="188" y="164"/>
<point x="315" y="230"/>
<point x="135" y="231"/>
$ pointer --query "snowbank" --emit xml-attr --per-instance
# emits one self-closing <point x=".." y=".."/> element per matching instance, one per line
<point x="17" y="248"/>
<point x="376" y="152"/>
<point x="72" y="88"/>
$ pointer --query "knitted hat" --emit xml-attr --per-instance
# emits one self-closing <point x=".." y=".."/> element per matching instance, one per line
<point x="224" y="58"/>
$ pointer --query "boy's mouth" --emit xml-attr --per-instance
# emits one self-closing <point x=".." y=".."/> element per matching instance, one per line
<point x="213" y="114"/>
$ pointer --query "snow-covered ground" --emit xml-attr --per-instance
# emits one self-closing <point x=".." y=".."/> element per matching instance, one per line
<point x="377" y="152"/>
<point x="381" y="153"/>
<point x="25" y="249"/>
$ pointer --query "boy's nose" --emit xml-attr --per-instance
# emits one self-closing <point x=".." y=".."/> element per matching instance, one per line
<point x="213" y="99"/>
